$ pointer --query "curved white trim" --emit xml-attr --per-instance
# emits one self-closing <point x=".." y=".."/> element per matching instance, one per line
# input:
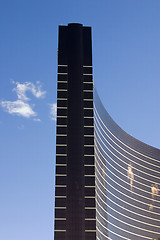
<point x="121" y="192"/>
<point x="130" y="160"/>
<point x="96" y="126"/>
<point x="124" y="230"/>
<point x="105" y="235"/>
<point x="127" y="203"/>
<point x="130" y="225"/>
<point x="123" y="142"/>
<point x="97" y="147"/>
<point x="134" y="219"/>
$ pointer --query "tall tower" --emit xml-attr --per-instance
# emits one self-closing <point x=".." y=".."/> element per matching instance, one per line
<point x="97" y="152"/>
<point x="75" y="170"/>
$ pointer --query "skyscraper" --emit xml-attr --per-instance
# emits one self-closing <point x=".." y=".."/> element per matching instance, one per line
<point x="107" y="182"/>
<point x="75" y="171"/>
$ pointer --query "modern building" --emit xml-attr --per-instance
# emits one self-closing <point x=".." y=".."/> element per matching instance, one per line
<point x="127" y="182"/>
<point x="107" y="182"/>
<point x="75" y="210"/>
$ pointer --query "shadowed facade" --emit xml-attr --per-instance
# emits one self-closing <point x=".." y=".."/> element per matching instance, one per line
<point x="75" y="171"/>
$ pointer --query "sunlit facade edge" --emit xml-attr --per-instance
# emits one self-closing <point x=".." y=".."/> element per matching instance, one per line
<point x="127" y="180"/>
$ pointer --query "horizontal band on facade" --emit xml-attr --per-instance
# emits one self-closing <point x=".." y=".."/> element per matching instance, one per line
<point x="89" y="197"/>
<point x="61" y="175"/>
<point x="62" y="73"/>
<point x="61" y="98"/>
<point x="61" y="135"/>
<point x="90" y="186"/>
<point x="59" y="219"/>
<point x="62" y="90"/>
<point x="90" y="230"/>
<point x="89" y="175"/>
<point x="89" y="126"/>
<point x="60" y="196"/>
<point x="61" y="186"/>
<point x="59" y="65"/>
<point x="88" y="99"/>
<point x="61" y="125"/>
<point x="88" y="91"/>
<point x="89" y="117"/>
<point x="87" y="165"/>
<point x="89" y="155"/>
<point x="87" y="66"/>
<point x="88" y="82"/>
<point x="87" y="74"/>
<point x="62" y="107"/>
<point x="60" y="207"/>
<point x="89" y="136"/>
<point x="58" y="230"/>
<point x="61" y="164"/>
<point x="90" y="219"/>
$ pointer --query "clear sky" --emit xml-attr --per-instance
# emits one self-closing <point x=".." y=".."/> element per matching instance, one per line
<point x="126" y="61"/>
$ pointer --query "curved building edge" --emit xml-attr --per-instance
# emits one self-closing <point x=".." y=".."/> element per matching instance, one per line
<point x="127" y="174"/>
<point x="123" y="135"/>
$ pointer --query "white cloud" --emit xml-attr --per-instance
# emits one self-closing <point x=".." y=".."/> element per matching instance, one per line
<point x="37" y="120"/>
<point x="19" y="108"/>
<point x="22" y="88"/>
<point x="53" y="111"/>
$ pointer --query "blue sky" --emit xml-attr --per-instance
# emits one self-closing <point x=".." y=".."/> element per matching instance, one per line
<point x="126" y="60"/>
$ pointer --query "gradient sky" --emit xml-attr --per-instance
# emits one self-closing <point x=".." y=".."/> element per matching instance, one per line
<point x="126" y="61"/>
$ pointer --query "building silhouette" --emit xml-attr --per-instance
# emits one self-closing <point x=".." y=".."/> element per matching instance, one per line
<point x="107" y="182"/>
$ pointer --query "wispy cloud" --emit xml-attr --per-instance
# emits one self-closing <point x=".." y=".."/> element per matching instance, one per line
<point x="22" y="88"/>
<point x="21" y="106"/>
<point x="36" y="119"/>
<point x="53" y="111"/>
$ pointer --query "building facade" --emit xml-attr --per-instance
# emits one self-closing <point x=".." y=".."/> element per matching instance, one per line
<point x="107" y="182"/>
<point x="75" y="212"/>
<point x="127" y="182"/>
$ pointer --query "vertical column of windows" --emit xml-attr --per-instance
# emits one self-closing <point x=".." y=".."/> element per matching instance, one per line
<point x="90" y="210"/>
<point x="61" y="154"/>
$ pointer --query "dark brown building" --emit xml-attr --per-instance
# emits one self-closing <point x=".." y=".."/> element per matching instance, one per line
<point x="75" y="171"/>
